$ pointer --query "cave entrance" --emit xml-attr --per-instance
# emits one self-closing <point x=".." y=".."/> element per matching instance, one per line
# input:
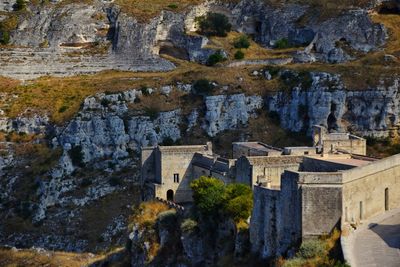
<point x="332" y="120"/>
<point x="389" y="7"/>
<point x="169" y="49"/>
<point x="170" y="195"/>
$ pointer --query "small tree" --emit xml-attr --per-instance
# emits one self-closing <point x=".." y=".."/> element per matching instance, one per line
<point x="238" y="201"/>
<point x="20" y="5"/>
<point x="239" y="54"/>
<point x="214" y="24"/>
<point x="208" y="194"/>
<point x="282" y="43"/>
<point x="215" y="58"/>
<point x="203" y="86"/>
<point x="242" y="42"/>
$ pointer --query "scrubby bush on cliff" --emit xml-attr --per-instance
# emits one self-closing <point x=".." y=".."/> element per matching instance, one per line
<point x="215" y="58"/>
<point x="242" y="42"/>
<point x="213" y="24"/>
<point x="20" y="5"/>
<point x="239" y="54"/>
<point x="213" y="198"/>
<point x="188" y="226"/>
<point x="282" y="43"/>
<point x="203" y="87"/>
<point x="312" y="248"/>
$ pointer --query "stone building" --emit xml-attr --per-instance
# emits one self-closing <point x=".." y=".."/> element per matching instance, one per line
<point x="299" y="192"/>
<point x="168" y="170"/>
<point x="335" y="190"/>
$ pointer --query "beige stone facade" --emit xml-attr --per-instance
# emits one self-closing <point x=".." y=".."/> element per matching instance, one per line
<point x="326" y="191"/>
<point x="298" y="191"/>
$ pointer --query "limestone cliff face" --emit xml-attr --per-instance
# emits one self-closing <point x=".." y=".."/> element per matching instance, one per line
<point x="79" y="38"/>
<point x="370" y="112"/>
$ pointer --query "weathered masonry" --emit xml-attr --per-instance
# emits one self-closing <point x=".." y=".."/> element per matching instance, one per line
<point x="326" y="192"/>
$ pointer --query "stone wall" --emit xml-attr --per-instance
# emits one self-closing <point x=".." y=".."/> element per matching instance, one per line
<point x="364" y="189"/>
<point x="353" y="146"/>
<point x="275" y="224"/>
<point x="254" y="170"/>
<point x="322" y="165"/>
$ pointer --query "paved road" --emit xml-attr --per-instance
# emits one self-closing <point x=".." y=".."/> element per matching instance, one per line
<point x="379" y="246"/>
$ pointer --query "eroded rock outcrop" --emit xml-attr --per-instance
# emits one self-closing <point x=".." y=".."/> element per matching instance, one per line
<point x="373" y="111"/>
<point x="228" y="112"/>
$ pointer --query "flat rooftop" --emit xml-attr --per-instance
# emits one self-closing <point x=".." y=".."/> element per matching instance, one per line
<point x="348" y="161"/>
<point x="258" y="146"/>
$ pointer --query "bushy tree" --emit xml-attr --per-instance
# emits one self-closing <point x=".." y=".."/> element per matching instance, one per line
<point x="242" y="42"/>
<point x="203" y="86"/>
<point x="20" y="5"/>
<point x="282" y="43"/>
<point x="208" y="194"/>
<point x="215" y="58"/>
<point x="238" y="201"/>
<point x="239" y="54"/>
<point x="214" y="24"/>
<point x="213" y="198"/>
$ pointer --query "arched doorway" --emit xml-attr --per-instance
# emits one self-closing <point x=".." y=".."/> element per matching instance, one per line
<point x="170" y="195"/>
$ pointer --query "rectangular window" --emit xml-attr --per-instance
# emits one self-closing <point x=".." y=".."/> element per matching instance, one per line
<point x="176" y="178"/>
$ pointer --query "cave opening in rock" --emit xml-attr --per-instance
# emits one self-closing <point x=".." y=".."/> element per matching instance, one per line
<point x="389" y="7"/>
<point x="168" y="48"/>
<point x="332" y="120"/>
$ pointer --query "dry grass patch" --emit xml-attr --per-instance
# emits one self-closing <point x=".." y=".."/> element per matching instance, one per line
<point x="144" y="10"/>
<point x="33" y="258"/>
<point x="146" y="216"/>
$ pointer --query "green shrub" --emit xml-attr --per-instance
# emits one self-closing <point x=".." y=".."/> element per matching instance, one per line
<point x="239" y="55"/>
<point x="77" y="156"/>
<point x="215" y="58"/>
<point x="208" y="194"/>
<point x="188" y="226"/>
<point x="5" y="37"/>
<point x="214" y="24"/>
<point x="173" y="6"/>
<point x="105" y="102"/>
<point x="145" y="91"/>
<point x="20" y="5"/>
<point x="62" y="109"/>
<point x="282" y="43"/>
<point x="203" y="86"/>
<point x="312" y="248"/>
<point x="242" y="42"/>
<point x="213" y="198"/>
<point x="238" y="201"/>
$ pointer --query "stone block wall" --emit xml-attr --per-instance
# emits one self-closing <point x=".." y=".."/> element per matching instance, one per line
<point x="370" y="190"/>
<point x="322" y="165"/>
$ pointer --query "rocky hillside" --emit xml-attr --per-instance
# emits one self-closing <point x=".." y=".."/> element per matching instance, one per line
<point x="69" y="143"/>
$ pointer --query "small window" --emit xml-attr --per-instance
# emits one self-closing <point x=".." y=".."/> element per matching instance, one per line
<point x="176" y="178"/>
<point x="306" y="153"/>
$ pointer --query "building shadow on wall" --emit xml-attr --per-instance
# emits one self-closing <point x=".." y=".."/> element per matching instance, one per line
<point x="388" y="233"/>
